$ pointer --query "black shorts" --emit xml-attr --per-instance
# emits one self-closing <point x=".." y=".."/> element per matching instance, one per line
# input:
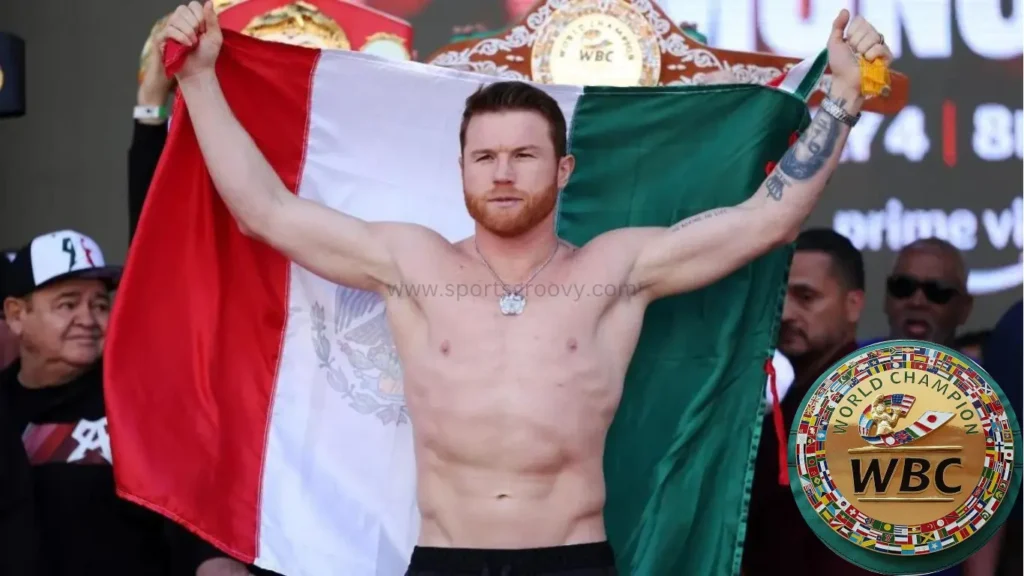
<point x="576" y="560"/>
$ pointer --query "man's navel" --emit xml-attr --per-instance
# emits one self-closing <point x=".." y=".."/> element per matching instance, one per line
<point x="571" y="344"/>
<point x="445" y="347"/>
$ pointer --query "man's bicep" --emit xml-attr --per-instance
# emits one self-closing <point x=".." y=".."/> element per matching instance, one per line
<point x="699" y="250"/>
<point x="333" y="245"/>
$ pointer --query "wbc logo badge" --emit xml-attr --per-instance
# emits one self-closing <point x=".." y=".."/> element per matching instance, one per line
<point x="904" y="458"/>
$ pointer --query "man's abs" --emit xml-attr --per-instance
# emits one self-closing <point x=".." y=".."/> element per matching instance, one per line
<point x="501" y="508"/>
<point x="511" y="457"/>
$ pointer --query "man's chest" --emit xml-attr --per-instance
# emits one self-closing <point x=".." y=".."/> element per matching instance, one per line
<point x="83" y="441"/>
<point x="65" y="429"/>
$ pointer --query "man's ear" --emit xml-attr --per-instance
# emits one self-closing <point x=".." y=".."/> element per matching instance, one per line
<point x="461" y="167"/>
<point x="565" y="167"/>
<point x="854" y="305"/>
<point x="14" y="312"/>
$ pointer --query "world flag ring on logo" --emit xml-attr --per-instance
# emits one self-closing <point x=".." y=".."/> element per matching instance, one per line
<point x="903" y="458"/>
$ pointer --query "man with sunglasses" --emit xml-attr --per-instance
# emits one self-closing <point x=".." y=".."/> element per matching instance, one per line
<point x="926" y="294"/>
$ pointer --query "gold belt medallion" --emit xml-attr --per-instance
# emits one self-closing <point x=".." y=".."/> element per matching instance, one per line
<point x="903" y="452"/>
<point x="606" y="43"/>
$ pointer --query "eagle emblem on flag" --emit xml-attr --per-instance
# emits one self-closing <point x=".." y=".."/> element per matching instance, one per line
<point x="360" y="359"/>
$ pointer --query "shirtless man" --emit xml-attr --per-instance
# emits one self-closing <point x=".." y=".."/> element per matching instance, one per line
<point x="510" y="411"/>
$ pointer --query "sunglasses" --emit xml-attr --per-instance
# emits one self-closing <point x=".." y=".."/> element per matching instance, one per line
<point x="903" y="287"/>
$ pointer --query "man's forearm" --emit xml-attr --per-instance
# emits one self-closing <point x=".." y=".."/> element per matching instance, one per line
<point x="243" y="177"/>
<point x="793" y="188"/>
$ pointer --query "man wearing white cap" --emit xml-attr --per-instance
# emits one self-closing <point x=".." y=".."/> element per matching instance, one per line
<point x="59" y="513"/>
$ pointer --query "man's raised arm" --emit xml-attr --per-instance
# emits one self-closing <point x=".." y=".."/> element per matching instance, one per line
<point x="340" y="248"/>
<point x="704" y="248"/>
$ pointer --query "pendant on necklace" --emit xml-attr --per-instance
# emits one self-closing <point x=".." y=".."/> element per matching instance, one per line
<point x="512" y="304"/>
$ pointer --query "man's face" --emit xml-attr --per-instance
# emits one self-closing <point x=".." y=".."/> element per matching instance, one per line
<point x="510" y="174"/>
<point x="925" y="297"/>
<point x="820" y="312"/>
<point x="66" y="321"/>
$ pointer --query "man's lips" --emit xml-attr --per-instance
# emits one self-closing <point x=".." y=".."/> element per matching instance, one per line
<point x="505" y="200"/>
<point x="916" y="328"/>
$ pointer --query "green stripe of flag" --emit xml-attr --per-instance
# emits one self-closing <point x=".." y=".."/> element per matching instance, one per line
<point x="680" y="455"/>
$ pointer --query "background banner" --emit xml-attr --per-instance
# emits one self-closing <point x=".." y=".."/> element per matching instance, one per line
<point x="948" y="165"/>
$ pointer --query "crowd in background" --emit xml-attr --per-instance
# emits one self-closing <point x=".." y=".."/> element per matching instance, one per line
<point x="60" y="515"/>
<point x="926" y="299"/>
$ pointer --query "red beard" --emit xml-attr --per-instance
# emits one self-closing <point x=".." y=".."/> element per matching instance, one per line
<point x="514" y="221"/>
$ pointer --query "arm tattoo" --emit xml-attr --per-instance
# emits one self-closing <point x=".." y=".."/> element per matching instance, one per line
<point x="775" y="185"/>
<point x="814" y="148"/>
<point x="697" y="218"/>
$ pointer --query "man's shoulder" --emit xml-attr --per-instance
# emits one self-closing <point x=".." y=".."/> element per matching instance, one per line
<point x="408" y="231"/>
<point x="408" y="241"/>
<point x="619" y="244"/>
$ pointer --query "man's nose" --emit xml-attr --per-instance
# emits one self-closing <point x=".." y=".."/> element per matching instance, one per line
<point x="87" y="318"/>
<point x="919" y="300"/>
<point x="788" y="310"/>
<point x="503" y="172"/>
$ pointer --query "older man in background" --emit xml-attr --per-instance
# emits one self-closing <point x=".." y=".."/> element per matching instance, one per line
<point x="926" y="299"/>
<point x="59" y="512"/>
<point x="926" y="294"/>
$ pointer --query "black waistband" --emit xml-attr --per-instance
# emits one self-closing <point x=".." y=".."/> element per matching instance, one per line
<point x="572" y="557"/>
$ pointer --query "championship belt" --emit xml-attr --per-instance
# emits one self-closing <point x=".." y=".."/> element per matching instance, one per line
<point x="322" y="24"/>
<point x="12" y="76"/>
<point x="630" y="43"/>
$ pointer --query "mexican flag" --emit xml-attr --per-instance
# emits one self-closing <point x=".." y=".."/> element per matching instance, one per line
<point x="262" y="407"/>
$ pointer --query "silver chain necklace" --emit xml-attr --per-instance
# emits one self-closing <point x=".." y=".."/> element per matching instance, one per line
<point x="512" y="302"/>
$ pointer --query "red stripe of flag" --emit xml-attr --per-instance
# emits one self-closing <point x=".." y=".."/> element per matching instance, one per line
<point x="188" y="379"/>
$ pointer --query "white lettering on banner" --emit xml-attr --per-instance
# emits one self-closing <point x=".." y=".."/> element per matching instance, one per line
<point x="1002" y="226"/>
<point x="924" y="27"/>
<point x="894" y="227"/>
<point x="1018" y="125"/>
<point x="91" y="436"/>
<point x="924" y="24"/>
<point x="728" y="24"/>
<point x="785" y="31"/>
<point x="997" y="132"/>
<point x="986" y="31"/>
<point x="906" y="135"/>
